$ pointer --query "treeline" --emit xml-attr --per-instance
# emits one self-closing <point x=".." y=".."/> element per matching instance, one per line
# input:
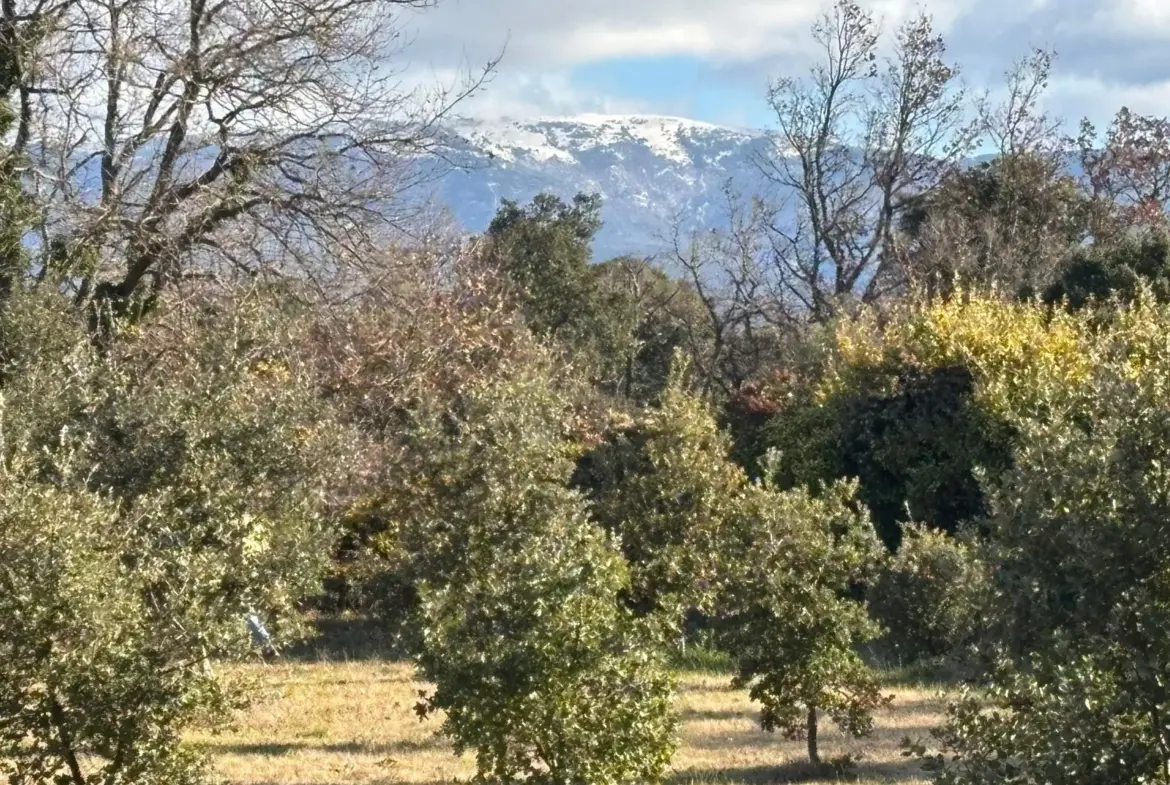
<point x="919" y="413"/>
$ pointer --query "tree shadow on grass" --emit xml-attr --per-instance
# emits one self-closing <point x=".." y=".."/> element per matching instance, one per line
<point x="277" y="749"/>
<point x="796" y="772"/>
<point x="344" y="640"/>
<point x="719" y="714"/>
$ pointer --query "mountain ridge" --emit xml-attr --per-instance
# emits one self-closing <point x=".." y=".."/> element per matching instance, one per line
<point x="652" y="171"/>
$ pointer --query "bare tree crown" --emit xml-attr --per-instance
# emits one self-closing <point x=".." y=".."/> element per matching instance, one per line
<point x="170" y="136"/>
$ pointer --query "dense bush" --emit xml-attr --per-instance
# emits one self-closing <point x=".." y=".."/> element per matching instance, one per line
<point x="665" y="486"/>
<point x="931" y="596"/>
<point x="1078" y="541"/>
<point x="166" y="488"/>
<point x="536" y="665"/>
<point x="1117" y="270"/>
<point x="918" y="405"/>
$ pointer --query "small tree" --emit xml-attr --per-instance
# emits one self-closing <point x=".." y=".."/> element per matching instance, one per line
<point x="645" y="317"/>
<point x="1120" y="269"/>
<point x="786" y="614"/>
<point x="774" y="570"/>
<point x="535" y="664"/>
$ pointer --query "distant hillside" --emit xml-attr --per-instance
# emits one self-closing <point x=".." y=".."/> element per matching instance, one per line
<point x="649" y="170"/>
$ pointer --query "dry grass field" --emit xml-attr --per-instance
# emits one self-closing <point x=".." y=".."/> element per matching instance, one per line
<point x="329" y="723"/>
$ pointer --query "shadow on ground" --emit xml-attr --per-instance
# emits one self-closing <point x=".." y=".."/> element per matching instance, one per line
<point x="762" y="739"/>
<point x="346" y="640"/>
<point x="796" y="772"/>
<point x="719" y="714"/>
<point x="277" y="749"/>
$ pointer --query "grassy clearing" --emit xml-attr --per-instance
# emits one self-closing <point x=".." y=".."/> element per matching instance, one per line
<point x="321" y="723"/>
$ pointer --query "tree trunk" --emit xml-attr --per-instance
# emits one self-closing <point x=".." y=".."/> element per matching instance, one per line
<point x="814" y="756"/>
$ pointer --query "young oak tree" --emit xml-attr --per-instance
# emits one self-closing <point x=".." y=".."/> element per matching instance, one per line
<point x="772" y="570"/>
<point x="536" y="666"/>
<point x="664" y="485"/>
<point x="786" y="614"/>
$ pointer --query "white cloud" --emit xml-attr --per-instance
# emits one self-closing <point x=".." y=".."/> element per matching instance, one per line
<point x="1099" y="99"/>
<point x="519" y="94"/>
<point x="1108" y="48"/>
<point x="1146" y="18"/>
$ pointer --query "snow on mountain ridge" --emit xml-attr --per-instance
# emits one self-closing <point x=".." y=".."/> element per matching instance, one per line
<point x="653" y="172"/>
<point x="559" y="138"/>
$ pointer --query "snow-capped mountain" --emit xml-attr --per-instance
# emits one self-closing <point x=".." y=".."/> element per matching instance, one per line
<point x="650" y="171"/>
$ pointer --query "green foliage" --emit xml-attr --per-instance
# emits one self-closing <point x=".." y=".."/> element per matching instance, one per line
<point x="931" y="596"/>
<point x="915" y="450"/>
<point x="1078" y="541"/>
<point x="787" y="614"/>
<point x="166" y="488"/>
<point x="665" y="486"/>
<point x="914" y="443"/>
<point x="917" y="408"/>
<point x="1114" y="270"/>
<point x="644" y="317"/>
<point x="1006" y="223"/>
<point x="98" y="684"/>
<point x="545" y="249"/>
<point x="536" y="665"/>
<point x="773" y="569"/>
<point x="620" y="321"/>
<point x="1068" y="719"/>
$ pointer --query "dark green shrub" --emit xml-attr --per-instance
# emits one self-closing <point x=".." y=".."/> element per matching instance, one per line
<point x="930" y="597"/>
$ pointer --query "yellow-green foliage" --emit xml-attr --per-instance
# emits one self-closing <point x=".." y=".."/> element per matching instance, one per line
<point x="1014" y="350"/>
<point x="1026" y="358"/>
<point x="1078" y="537"/>
<point x="917" y="400"/>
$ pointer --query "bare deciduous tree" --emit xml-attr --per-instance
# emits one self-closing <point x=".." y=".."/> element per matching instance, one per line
<point x="857" y="137"/>
<point x="748" y="311"/>
<point x="177" y="137"/>
<point x="1009" y="221"/>
<point x="1129" y="174"/>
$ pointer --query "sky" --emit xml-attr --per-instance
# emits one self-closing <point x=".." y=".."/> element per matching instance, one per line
<point x="712" y="60"/>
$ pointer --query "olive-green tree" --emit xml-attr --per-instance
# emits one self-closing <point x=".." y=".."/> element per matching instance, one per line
<point x="1078" y="543"/>
<point x="771" y="570"/>
<point x="644" y="316"/>
<point x="536" y="665"/>
<point x="786" y="614"/>
<point x="1118" y="269"/>
<point x="544" y="248"/>
<point x="663" y="483"/>
<point x="932" y="595"/>
<point x="163" y="492"/>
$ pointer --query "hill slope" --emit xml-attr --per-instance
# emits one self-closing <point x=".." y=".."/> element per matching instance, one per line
<point x="650" y="171"/>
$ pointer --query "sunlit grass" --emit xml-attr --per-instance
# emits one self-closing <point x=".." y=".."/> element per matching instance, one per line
<point x="328" y="723"/>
